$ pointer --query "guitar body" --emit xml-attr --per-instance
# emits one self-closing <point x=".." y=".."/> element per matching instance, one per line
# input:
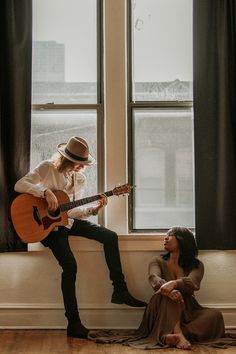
<point x="31" y="218"/>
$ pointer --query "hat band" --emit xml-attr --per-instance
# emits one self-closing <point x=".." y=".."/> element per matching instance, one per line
<point x="75" y="157"/>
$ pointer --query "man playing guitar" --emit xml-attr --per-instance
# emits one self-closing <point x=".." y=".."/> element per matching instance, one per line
<point x="64" y="172"/>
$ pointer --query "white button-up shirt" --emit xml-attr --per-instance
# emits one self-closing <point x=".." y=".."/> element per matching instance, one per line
<point x="46" y="176"/>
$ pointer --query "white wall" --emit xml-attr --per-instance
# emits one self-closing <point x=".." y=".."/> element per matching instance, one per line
<point x="30" y="295"/>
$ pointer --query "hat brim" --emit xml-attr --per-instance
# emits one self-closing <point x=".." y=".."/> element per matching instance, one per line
<point x="61" y="149"/>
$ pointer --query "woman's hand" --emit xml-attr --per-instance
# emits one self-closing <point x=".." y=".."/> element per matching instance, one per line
<point x="176" y="296"/>
<point x="101" y="203"/>
<point x="51" y="199"/>
<point x="166" y="288"/>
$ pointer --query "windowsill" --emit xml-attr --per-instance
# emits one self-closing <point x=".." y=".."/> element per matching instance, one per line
<point x="129" y="242"/>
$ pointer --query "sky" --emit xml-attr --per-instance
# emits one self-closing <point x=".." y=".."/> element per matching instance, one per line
<point x="162" y="37"/>
<point x="162" y="40"/>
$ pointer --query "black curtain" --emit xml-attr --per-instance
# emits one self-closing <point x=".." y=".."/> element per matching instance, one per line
<point x="15" y="108"/>
<point x="214" y="55"/>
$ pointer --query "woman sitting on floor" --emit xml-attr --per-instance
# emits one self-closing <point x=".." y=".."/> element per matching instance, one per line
<point x="173" y="317"/>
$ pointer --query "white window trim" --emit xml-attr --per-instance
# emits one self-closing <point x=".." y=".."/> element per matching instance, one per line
<point x="115" y="111"/>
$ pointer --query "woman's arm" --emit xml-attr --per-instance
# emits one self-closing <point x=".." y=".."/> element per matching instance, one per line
<point x="155" y="274"/>
<point x="191" y="283"/>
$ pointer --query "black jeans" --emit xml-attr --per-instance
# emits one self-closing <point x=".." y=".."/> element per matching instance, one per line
<point x="58" y="242"/>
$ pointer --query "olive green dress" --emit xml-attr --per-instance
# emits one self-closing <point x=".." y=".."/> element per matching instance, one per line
<point x="199" y="324"/>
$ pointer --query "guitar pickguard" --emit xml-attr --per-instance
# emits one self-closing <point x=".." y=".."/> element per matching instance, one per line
<point x="48" y="222"/>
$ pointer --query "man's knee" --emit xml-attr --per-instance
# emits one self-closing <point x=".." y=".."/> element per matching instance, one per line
<point x="69" y="267"/>
<point x="111" y="237"/>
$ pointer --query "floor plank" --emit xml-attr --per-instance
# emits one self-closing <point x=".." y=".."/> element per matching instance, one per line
<point x="56" y="342"/>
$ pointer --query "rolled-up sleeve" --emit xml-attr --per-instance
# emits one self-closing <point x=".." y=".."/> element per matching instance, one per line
<point x="80" y="213"/>
<point x="30" y="183"/>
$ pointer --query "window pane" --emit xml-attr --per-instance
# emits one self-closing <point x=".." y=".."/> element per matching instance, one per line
<point x="163" y="169"/>
<point x="162" y="50"/>
<point x="50" y="128"/>
<point x="64" y="51"/>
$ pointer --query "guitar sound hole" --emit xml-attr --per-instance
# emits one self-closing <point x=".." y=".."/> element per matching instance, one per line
<point x="54" y="213"/>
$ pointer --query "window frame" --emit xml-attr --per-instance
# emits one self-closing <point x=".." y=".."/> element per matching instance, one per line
<point x="98" y="107"/>
<point x="135" y="105"/>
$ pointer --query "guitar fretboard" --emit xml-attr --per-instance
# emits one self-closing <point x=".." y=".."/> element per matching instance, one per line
<point x="75" y="203"/>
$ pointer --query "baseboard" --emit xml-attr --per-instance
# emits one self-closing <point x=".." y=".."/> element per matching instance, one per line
<point x="51" y="316"/>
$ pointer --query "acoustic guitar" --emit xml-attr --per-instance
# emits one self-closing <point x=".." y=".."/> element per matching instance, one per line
<point x="33" y="221"/>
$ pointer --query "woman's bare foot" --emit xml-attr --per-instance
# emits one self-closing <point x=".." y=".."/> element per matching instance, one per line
<point x="177" y="340"/>
<point x="172" y="339"/>
<point x="183" y="343"/>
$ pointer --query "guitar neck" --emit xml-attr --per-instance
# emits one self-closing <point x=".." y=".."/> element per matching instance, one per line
<point x="75" y="203"/>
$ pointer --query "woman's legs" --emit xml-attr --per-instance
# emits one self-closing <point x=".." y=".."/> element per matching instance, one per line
<point x="207" y="324"/>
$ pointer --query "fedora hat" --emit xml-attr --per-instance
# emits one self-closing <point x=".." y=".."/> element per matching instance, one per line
<point x="76" y="150"/>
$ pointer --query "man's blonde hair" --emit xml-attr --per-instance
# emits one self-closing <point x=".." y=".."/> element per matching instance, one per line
<point x="61" y="163"/>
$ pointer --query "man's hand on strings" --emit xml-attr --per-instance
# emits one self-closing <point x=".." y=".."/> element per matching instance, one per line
<point x="51" y="199"/>
<point x="101" y="203"/>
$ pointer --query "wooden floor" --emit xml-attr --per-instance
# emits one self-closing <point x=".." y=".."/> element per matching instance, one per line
<point x="56" y="342"/>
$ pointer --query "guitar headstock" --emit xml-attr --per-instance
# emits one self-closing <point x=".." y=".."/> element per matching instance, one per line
<point x="121" y="190"/>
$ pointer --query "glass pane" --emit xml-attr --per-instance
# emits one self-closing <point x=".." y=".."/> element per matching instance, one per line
<point x="50" y="128"/>
<point x="162" y="50"/>
<point x="163" y="171"/>
<point x="64" y="66"/>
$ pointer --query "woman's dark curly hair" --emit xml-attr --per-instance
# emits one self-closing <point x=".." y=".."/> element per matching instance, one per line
<point x="187" y="246"/>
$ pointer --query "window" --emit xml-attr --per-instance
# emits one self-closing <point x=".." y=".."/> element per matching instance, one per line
<point x="68" y="100"/>
<point x="66" y="82"/>
<point x="160" y="114"/>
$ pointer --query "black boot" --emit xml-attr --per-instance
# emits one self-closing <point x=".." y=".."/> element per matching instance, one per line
<point x="77" y="330"/>
<point x="124" y="297"/>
